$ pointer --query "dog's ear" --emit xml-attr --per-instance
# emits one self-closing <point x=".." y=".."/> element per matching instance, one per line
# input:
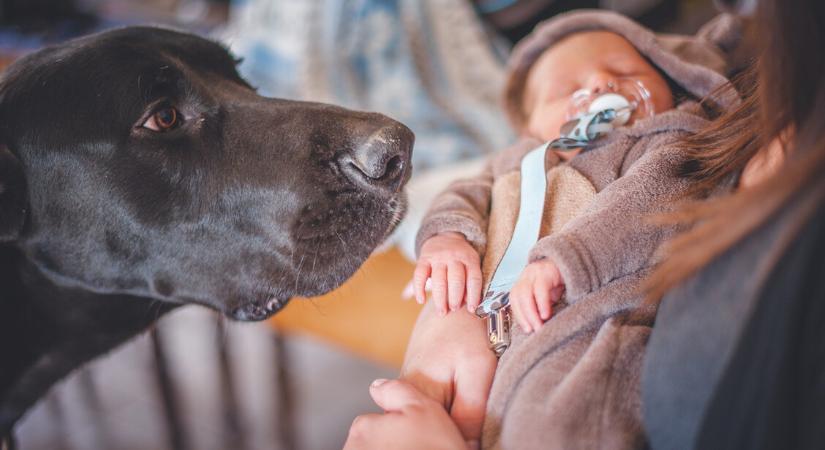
<point x="12" y="195"/>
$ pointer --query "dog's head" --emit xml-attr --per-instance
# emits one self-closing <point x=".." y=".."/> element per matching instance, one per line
<point x="138" y="161"/>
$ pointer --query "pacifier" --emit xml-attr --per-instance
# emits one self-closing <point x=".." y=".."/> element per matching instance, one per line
<point x="619" y="94"/>
<point x="592" y="114"/>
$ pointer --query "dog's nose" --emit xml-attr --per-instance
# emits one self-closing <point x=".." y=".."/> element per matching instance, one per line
<point x="381" y="161"/>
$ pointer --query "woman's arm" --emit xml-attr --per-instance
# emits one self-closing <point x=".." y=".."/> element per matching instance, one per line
<point x="448" y="360"/>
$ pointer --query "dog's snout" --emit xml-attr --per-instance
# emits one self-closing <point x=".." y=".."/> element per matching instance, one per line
<point x="381" y="161"/>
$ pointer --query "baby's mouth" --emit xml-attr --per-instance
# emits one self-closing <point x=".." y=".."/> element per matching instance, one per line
<point x="625" y="94"/>
<point x="594" y="114"/>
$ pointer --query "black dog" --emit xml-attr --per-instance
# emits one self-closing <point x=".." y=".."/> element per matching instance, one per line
<point x="139" y="171"/>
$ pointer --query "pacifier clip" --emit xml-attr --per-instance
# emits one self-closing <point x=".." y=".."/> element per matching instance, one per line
<point x="495" y="305"/>
<point x="612" y="111"/>
<point x="606" y="113"/>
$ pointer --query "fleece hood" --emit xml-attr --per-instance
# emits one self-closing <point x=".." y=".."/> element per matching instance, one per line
<point x="698" y="64"/>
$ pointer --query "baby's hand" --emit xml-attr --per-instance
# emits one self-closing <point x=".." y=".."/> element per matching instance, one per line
<point x="532" y="297"/>
<point x="455" y="269"/>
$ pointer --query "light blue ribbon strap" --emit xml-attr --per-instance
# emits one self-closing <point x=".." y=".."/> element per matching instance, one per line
<point x="525" y="234"/>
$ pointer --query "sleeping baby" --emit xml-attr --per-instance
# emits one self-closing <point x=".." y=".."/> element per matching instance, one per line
<point x="593" y="227"/>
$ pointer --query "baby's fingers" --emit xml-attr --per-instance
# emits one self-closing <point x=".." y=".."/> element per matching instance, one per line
<point x="531" y="314"/>
<point x="439" y="285"/>
<point x="556" y="293"/>
<point x="420" y="276"/>
<point x="543" y="301"/>
<point x="474" y="286"/>
<point x="456" y="277"/>
<point x="517" y="301"/>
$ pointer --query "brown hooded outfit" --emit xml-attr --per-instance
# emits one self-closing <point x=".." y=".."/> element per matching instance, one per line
<point x="574" y="383"/>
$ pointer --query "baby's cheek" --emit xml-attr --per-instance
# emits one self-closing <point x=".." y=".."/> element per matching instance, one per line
<point x="544" y="123"/>
<point x="664" y="102"/>
<point x="660" y="94"/>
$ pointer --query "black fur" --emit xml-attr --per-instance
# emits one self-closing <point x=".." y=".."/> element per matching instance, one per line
<point x="105" y="224"/>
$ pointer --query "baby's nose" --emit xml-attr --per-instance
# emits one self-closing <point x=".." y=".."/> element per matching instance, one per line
<point x="601" y="82"/>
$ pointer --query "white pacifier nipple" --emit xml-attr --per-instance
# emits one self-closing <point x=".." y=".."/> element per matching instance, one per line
<point x="615" y="102"/>
<point x="591" y="115"/>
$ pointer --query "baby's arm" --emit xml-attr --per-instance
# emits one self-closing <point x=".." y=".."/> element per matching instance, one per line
<point x="455" y="269"/>
<point x="451" y="237"/>
<point x="463" y="209"/>
<point x="615" y="235"/>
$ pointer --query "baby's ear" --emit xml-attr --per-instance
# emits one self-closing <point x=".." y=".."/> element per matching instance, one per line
<point x="13" y="203"/>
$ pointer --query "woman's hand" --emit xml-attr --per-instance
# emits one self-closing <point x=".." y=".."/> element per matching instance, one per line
<point x="448" y="360"/>
<point x="411" y="420"/>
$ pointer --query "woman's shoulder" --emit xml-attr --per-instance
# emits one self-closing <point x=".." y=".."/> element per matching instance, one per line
<point x="699" y="324"/>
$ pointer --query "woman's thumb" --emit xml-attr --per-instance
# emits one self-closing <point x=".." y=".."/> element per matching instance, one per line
<point x="395" y="395"/>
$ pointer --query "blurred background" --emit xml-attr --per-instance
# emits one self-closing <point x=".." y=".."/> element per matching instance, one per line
<point x="197" y="381"/>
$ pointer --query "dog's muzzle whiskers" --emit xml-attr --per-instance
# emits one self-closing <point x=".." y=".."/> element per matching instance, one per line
<point x="298" y="274"/>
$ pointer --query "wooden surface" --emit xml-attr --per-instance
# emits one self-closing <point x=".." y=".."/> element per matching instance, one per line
<point x="365" y="316"/>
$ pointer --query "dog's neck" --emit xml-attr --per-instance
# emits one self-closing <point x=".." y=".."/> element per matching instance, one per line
<point x="46" y="331"/>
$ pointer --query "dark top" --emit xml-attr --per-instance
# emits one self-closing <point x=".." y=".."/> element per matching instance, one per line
<point x="772" y="394"/>
<point x="735" y="359"/>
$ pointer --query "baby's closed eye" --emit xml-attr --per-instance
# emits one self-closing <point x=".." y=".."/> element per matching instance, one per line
<point x="624" y="66"/>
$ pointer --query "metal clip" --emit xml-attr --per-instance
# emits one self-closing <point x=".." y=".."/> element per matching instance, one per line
<point x="492" y="301"/>
<point x="495" y="310"/>
<point x="498" y="330"/>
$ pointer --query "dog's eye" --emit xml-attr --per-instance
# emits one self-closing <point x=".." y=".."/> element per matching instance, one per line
<point x="164" y="119"/>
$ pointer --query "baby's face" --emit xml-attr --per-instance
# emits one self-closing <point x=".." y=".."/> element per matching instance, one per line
<point x="589" y="60"/>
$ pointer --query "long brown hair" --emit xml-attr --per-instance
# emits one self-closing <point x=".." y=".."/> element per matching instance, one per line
<point x="785" y="90"/>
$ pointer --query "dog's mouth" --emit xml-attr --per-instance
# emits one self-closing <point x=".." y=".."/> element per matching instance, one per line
<point x="330" y="244"/>
<point x="258" y="310"/>
<point x="398" y="207"/>
<point x="356" y="221"/>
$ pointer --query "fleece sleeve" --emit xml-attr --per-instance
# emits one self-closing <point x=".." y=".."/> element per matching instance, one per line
<point x="464" y="207"/>
<point x="615" y="236"/>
